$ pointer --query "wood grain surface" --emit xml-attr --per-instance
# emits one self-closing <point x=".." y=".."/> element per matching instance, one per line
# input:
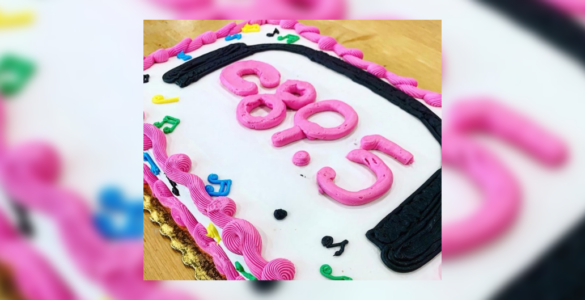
<point x="406" y="48"/>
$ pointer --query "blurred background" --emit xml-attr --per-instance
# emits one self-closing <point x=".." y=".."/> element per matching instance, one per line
<point x="74" y="83"/>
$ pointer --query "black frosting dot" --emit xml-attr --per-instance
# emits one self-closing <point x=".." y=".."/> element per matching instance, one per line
<point x="280" y="214"/>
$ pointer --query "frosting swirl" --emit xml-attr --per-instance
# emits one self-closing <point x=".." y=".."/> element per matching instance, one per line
<point x="239" y="236"/>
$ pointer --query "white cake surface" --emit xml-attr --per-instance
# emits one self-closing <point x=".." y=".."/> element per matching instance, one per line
<point x="264" y="177"/>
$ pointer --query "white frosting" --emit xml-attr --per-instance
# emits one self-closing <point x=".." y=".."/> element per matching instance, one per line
<point x="264" y="178"/>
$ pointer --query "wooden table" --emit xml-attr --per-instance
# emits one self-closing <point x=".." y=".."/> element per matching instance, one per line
<point x="406" y="48"/>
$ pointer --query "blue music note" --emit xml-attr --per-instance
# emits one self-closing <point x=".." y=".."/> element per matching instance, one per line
<point x="183" y="56"/>
<point x="112" y="202"/>
<point x="224" y="186"/>
<point x="233" y="37"/>
<point x="153" y="168"/>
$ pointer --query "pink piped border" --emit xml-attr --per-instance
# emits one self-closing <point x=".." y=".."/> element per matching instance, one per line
<point x="312" y="33"/>
<point x="238" y="235"/>
<point x="115" y="266"/>
<point x="183" y="217"/>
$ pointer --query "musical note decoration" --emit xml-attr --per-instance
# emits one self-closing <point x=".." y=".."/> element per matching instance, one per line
<point x="159" y="99"/>
<point x="233" y="37"/>
<point x="170" y="120"/>
<point x="290" y="38"/>
<point x="111" y="202"/>
<point x="174" y="185"/>
<point x="273" y="33"/>
<point x="240" y="269"/>
<point x="183" y="56"/>
<point x="224" y="186"/>
<point x="327" y="241"/>
<point x="22" y="218"/>
<point x="153" y="167"/>
<point x="212" y="233"/>
<point x="251" y="28"/>
<point x="21" y="18"/>
<point x="15" y="72"/>
<point x="326" y="271"/>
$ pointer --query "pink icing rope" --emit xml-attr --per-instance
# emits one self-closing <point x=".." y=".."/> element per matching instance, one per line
<point x="29" y="174"/>
<point x="304" y="128"/>
<point x="272" y="119"/>
<point x="33" y="276"/>
<point x="239" y="236"/>
<point x="183" y="217"/>
<point x="208" y="10"/>
<point x="378" y="142"/>
<point x="231" y="77"/>
<point x="501" y="190"/>
<point x="312" y="33"/>
<point x="326" y="175"/>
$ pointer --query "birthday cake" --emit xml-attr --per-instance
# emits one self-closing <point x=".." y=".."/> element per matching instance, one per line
<point x="288" y="156"/>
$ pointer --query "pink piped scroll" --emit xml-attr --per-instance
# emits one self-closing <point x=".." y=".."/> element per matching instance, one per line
<point x="238" y="235"/>
<point x="183" y="217"/>
<point x="304" y="128"/>
<point x="378" y="142"/>
<point x="33" y="275"/>
<point x="231" y="77"/>
<point x="326" y="175"/>
<point x="29" y="173"/>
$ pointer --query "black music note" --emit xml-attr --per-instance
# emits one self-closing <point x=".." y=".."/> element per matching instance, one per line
<point x="24" y="223"/>
<point x="174" y="185"/>
<point x="327" y="241"/>
<point x="272" y="34"/>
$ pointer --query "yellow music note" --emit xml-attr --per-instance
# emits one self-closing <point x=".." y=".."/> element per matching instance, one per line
<point x="17" y="19"/>
<point x="159" y="99"/>
<point x="251" y="28"/>
<point x="212" y="232"/>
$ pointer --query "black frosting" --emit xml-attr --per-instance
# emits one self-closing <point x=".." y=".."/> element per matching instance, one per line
<point x="280" y="214"/>
<point x="548" y="22"/>
<point x="410" y="235"/>
<point x="558" y="274"/>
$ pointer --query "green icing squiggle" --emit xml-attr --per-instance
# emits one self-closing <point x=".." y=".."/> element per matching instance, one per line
<point x="240" y="269"/>
<point x="326" y="271"/>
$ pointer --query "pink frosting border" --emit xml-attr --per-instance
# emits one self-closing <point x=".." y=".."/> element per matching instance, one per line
<point x="183" y="217"/>
<point x="34" y="277"/>
<point x="312" y="33"/>
<point x="29" y="173"/>
<point x="238" y="235"/>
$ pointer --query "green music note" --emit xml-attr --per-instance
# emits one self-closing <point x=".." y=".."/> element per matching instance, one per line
<point x="240" y="269"/>
<point x="15" y="72"/>
<point x="326" y="271"/>
<point x="168" y="119"/>
<point x="290" y="38"/>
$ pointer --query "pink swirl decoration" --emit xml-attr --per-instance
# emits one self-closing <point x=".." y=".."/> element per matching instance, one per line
<point x="238" y="235"/>
<point x="312" y="33"/>
<point x="34" y="277"/>
<point x="29" y="174"/>
<point x="183" y="217"/>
